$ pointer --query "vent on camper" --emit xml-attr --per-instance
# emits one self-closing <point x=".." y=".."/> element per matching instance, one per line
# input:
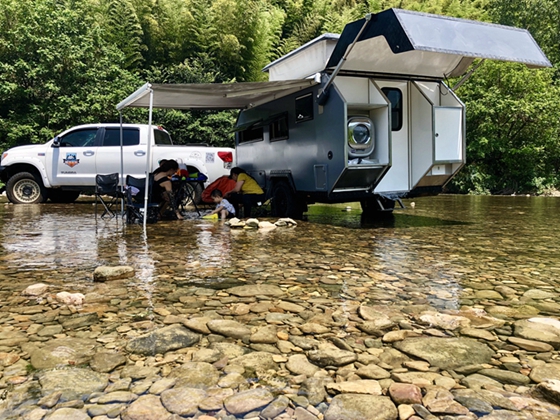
<point x="361" y="137"/>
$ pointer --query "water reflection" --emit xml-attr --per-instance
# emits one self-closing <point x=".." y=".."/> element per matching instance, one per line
<point x="438" y="252"/>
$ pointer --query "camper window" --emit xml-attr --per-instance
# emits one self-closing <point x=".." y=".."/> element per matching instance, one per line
<point x="304" y="108"/>
<point x="278" y="128"/>
<point x="251" y="134"/>
<point x="395" y="97"/>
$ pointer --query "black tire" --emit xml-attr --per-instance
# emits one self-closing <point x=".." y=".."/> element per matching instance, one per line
<point x="60" y="196"/>
<point x="377" y="206"/>
<point x="26" y="188"/>
<point x="285" y="202"/>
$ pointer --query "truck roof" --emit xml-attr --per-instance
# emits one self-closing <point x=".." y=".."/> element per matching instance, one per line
<point x="112" y="125"/>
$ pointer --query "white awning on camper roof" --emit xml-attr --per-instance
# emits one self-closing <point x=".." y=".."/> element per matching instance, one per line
<point x="213" y="95"/>
<point x="419" y="44"/>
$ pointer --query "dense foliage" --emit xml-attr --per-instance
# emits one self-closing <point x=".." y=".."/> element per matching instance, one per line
<point x="65" y="62"/>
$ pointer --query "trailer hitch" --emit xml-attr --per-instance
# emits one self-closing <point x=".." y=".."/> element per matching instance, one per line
<point x="324" y="94"/>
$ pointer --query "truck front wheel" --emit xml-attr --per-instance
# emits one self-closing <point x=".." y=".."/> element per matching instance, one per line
<point x="26" y="188"/>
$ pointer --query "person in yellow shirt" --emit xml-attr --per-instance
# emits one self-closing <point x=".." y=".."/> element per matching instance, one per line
<point x="247" y="191"/>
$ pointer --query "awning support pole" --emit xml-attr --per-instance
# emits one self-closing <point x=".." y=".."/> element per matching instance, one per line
<point x="467" y="76"/>
<point x="148" y="159"/>
<point x="323" y="96"/>
<point x="122" y="163"/>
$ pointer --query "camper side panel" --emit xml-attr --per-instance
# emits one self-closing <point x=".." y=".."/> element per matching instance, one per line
<point x="312" y="153"/>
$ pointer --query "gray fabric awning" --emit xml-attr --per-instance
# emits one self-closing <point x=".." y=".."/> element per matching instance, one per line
<point x="213" y="95"/>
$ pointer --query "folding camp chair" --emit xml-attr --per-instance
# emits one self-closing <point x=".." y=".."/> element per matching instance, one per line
<point x="135" y="192"/>
<point x="108" y="192"/>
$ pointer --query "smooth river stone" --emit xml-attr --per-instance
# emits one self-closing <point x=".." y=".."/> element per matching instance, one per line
<point x="546" y="330"/>
<point x="63" y="351"/>
<point x="182" y="401"/>
<point x="364" y="386"/>
<point x="255" y="290"/>
<point x="258" y="361"/>
<point x="72" y="383"/>
<point x="199" y="375"/>
<point x="447" y="353"/>
<point x="360" y="407"/>
<point x="265" y="335"/>
<point x="530" y="345"/>
<point x="246" y="401"/>
<point x="505" y="376"/>
<point x="299" y="365"/>
<point x="68" y="413"/>
<point x="163" y="340"/>
<point x="147" y="407"/>
<point x="228" y="328"/>
<point x="547" y="371"/>
<point x="332" y="356"/>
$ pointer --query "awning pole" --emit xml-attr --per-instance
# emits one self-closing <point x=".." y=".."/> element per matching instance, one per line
<point x="467" y="76"/>
<point x="148" y="159"/>
<point x="322" y="97"/>
<point x="122" y="164"/>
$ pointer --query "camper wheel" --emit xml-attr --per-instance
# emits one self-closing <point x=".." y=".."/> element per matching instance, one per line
<point x="377" y="205"/>
<point x="285" y="202"/>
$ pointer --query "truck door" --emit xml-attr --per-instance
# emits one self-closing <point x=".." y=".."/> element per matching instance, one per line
<point x="72" y="163"/>
<point x="109" y="153"/>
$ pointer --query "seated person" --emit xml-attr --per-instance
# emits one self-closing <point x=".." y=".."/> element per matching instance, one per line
<point x="223" y="183"/>
<point x="162" y="189"/>
<point x="223" y="207"/>
<point x="247" y="191"/>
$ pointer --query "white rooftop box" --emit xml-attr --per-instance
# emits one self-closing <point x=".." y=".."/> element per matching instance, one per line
<point x="304" y="61"/>
<point x="407" y="43"/>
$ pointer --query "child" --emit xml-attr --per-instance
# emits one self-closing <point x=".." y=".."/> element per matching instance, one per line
<point x="223" y="207"/>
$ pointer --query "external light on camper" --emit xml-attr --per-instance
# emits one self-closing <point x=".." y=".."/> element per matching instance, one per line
<point x="361" y="138"/>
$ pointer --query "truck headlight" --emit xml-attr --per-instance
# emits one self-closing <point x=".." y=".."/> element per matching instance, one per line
<point x="361" y="136"/>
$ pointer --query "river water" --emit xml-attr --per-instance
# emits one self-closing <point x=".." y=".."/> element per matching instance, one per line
<point x="446" y="252"/>
<point x="442" y="242"/>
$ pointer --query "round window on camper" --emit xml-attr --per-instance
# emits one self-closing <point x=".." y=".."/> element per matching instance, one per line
<point x="360" y="135"/>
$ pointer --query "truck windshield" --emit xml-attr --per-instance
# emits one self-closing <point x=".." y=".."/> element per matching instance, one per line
<point x="161" y="137"/>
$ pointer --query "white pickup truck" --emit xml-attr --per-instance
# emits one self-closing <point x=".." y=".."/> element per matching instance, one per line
<point x="66" y="166"/>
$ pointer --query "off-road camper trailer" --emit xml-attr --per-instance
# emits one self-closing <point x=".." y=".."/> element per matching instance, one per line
<point x="362" y="116"/>
<point x="388" y="126"/>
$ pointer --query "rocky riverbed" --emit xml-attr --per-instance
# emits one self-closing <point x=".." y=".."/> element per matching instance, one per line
<point x="275" y="351"/>
<point x="315" y="332"/>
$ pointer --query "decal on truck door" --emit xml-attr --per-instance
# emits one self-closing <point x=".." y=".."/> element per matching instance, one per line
<point x="71" y="159"/>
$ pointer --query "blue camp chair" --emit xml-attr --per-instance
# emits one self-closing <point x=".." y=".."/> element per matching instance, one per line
<point x="135" y="192"/>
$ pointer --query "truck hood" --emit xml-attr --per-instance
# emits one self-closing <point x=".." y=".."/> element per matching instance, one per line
<point x="27" y="147"/>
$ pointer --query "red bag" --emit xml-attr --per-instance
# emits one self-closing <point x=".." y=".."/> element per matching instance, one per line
<point x="224" y="184"/>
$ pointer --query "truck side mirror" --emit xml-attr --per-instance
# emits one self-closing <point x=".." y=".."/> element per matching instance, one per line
<point x="56" y="142"/>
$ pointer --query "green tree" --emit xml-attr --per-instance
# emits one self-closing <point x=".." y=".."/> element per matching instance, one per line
<point x="56" y="69"/>
<point x="512" y="130"/>
<point x="125" y="32"/>
<point x="214" y="128"/>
